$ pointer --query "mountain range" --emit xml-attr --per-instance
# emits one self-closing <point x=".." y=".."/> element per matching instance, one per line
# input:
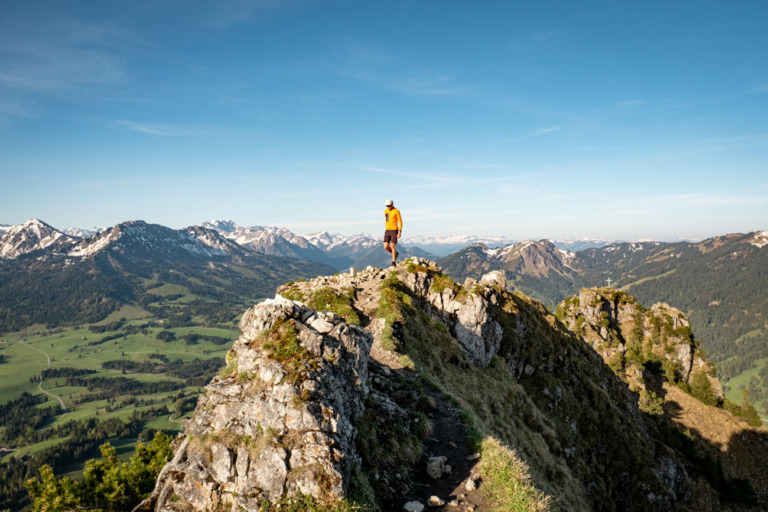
<point x="50" y="278"/>
<point x="341" y="251"/>
<point x="719" y="282"/>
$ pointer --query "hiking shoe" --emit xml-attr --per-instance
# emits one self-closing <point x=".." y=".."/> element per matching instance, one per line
<point x="392" y="264"/>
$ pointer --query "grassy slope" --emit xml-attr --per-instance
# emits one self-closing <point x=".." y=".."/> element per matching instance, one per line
<point x="499" y="406"/>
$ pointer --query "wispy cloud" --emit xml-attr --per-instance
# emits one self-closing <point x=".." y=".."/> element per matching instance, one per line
<point x="166" y="130"/>
<point x="703" y="199"/>
<point x="222" y="14"/>
<point x="544" y="131"/>
<point x="17" y="107"/>
<point x="324" y="225"/>
<point x="59" y="56"/>
<point x="387" y="70"/>
<point x="415" y="175"/>
<point x="633" y="103"/>
<point x="735" y="140"/>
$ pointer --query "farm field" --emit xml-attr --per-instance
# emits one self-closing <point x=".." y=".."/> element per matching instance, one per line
<point x="132" y="371"/>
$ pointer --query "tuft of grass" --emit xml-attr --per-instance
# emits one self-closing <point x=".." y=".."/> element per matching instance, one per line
<point x="441" y="282"/>
<point x="414" y="268"/>
<point x="328" y="299"/>
<point x="292" y="292"/>
<point x="506" y="482"/>
<point x="281" y="342"/>
<point x="393" y="293"/>
<point x="229" y="371"/>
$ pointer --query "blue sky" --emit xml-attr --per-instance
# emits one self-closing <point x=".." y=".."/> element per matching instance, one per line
<point x="612" y="119"/>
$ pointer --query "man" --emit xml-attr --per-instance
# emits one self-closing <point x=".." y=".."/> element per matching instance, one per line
<point x="393" y="228"/>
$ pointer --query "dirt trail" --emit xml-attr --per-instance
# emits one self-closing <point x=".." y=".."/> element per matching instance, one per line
<point x="449" y="432"/>
<point x="392" y="378"/>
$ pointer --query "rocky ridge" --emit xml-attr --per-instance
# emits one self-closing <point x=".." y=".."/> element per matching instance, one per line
<point x="314" y="404"/>
<point x="629" y="336"/>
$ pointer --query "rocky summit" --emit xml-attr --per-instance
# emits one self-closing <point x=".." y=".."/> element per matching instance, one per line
<point x="280" y="420"/>
<point x="400" y="389"/>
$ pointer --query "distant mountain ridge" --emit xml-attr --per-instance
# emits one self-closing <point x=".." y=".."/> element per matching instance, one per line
<point x="339" y="251"/>
<point x="35" y="236"/>
<point x="49" y="278"/>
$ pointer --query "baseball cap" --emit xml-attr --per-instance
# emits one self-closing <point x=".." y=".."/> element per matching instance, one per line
<point x="388" y="203"/>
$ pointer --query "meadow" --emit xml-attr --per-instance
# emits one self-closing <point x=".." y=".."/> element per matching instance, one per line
<point x="26" y="356"/>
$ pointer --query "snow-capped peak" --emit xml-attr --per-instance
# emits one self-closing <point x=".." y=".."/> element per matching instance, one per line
<point x="95" y="243"/>
<point x="83" y="232"/>
<point x="222" y="226"/>
<point x="30" y="236"/>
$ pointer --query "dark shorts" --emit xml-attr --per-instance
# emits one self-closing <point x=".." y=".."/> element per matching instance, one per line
<point x="390" y="236"/>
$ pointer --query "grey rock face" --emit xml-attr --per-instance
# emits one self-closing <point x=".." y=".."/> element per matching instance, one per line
<point x="270" y="428"/>
<point x="495" y="278"/>
<point x="465" y="314"/>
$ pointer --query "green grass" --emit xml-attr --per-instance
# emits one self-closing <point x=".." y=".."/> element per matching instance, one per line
<point x="328" y="299"/>
<point x="169" y="289"/>
<point x="506" y="483"/>
<point x="627" y="286"/>
<point x="750" y="334"/>
<point x="128" y="312"/>
<point x="36" y="448"/>
<point x="739" y="382"/>
<point x="69" y="349"/>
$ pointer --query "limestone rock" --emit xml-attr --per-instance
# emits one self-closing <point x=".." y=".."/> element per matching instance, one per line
<point x="609" y="319"/>
<point x="436" y="467"/>
<point x="268" y="429"/>
<point x="435" y="501"/>
<point x="413" y="506"/>
<point x="495" y="278"/>
<point x="465" y="314"/>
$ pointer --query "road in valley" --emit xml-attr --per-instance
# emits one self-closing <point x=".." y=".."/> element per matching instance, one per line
<point x="40" y="385"/>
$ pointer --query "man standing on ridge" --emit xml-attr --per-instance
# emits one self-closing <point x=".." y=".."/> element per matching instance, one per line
<point x="393" y="227"/>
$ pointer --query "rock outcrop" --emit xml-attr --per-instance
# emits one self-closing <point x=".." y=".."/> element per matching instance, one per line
<point x="465" y="314"/>
<point x="280" y="420"/>
<point x="626" y="334"/>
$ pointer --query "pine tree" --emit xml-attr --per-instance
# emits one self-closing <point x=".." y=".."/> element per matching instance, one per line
<point x="107" y="484"/>
<point x="702" y="389"/>
<point x="748" y="411"/>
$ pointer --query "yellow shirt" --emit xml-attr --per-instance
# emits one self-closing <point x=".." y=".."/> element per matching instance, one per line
<point x="392" y="219"/>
